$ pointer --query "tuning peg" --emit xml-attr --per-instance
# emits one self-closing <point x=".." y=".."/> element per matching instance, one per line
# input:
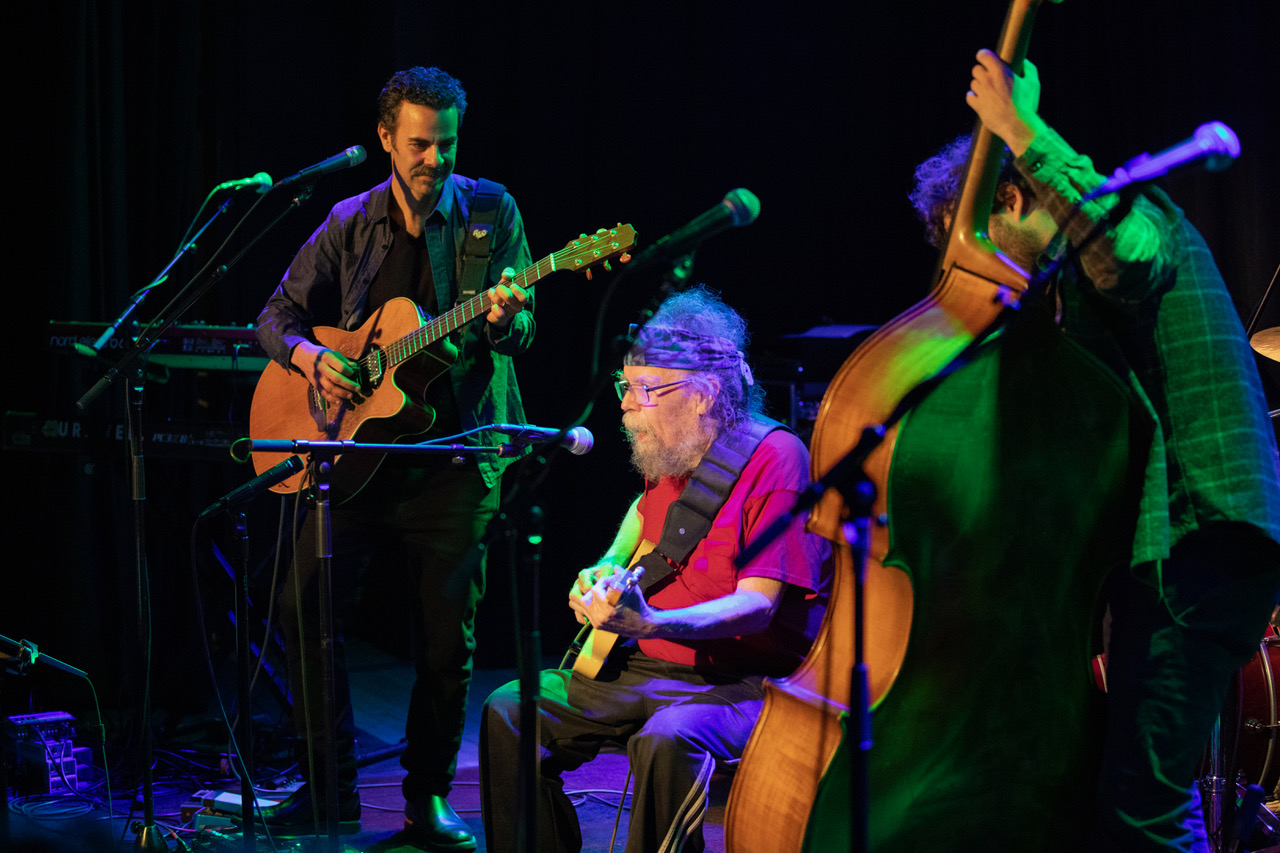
<point x="588" y="272"/>
<point x="625" y="257"/>
<point x="607" y="268"/>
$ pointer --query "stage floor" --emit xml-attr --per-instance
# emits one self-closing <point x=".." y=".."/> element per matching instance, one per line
<point x="380" y="689"/>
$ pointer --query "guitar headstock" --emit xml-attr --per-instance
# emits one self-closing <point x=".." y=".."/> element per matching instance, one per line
<point x="598" y="248"/>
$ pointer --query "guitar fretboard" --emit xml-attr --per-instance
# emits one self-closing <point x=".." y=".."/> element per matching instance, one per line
<point x="576" y="255"/>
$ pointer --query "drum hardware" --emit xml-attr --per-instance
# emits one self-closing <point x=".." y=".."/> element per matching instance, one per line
<point x="1251" y="707"/>
<point x="1267" y="343"/>
<point x="1213" y="788"/>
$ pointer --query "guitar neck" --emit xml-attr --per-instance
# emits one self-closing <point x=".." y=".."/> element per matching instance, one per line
<point x="477" y="306"/>
<point x="580" y="254"/>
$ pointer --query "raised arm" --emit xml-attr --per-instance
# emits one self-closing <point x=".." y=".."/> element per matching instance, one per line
<point x="1127" y="262"/>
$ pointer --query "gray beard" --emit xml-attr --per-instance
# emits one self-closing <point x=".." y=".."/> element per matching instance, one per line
<point x="658" y="460"/>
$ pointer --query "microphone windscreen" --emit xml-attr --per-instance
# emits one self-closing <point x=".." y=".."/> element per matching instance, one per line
<point x="1221" y="142"/>
<point x="242" y="449"/>
<point x="743" y="206"/>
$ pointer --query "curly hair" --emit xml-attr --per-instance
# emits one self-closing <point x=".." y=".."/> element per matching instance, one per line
<point x="426" y="87"/>
<point x="701" y="311"/>
<point x="938" y="182"/>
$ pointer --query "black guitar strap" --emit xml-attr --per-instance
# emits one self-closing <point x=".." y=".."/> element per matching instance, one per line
<point x="690" y="516"/>
<point x="473" y="259"/>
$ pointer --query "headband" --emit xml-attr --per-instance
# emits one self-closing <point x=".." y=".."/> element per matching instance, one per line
<point x="662" y="346"/>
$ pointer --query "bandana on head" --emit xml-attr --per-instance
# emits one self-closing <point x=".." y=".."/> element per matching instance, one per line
<point x="660" y="346"/>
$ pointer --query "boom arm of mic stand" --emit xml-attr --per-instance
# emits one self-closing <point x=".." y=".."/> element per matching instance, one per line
<point x="27" y="654"/>
<point x="142" y="294"/>
<point x="846" y="477"/>
<point x="179" y="305"/>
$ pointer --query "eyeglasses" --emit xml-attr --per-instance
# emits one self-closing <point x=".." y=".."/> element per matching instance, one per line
<point x="640" y="390"/>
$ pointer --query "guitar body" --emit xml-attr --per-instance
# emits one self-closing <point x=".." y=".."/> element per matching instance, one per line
<point x="285" y="405"/>
<point x="599" y="643"/>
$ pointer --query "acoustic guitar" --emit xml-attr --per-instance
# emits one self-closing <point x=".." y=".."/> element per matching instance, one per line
<point x="399" y="352"/>
<point x="595" y="644"/>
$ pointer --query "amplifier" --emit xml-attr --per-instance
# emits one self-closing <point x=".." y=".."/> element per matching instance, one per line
<point x="47" y="760"/>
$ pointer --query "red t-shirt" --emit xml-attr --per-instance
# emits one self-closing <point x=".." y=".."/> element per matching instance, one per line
<point x="776" y="473"/>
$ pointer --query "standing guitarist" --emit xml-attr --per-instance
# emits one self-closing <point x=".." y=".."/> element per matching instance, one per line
<point x="410" y="236"/>
<point x="685" y="692"/>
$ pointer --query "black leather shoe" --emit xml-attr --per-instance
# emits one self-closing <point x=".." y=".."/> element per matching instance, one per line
<point x="433" y="824"/>
<point x="294" y="816"/>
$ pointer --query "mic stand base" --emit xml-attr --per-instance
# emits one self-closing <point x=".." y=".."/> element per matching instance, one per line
<point x="150" y="838"/>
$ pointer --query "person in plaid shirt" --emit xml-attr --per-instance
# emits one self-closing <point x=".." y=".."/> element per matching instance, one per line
<point x="1146" y="298"/>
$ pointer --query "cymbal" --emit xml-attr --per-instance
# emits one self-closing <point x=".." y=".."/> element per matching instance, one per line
<point x="1267" y="342"/>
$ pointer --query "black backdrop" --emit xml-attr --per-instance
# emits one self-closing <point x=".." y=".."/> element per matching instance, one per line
<point x="127" y="114"/>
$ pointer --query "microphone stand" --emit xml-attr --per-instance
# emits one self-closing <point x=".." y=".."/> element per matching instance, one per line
<point x="850" y="479"/>
<point x="526" y="595"/>
<point x="235" y="503"/>
<point x="321" y="456"/>
<point x="149" y="837"/>
<point x="142" y="294"/>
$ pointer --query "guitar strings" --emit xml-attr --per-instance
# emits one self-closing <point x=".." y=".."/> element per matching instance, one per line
<point x="433" y="330"/>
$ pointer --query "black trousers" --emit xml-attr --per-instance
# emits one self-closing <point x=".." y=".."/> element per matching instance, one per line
<point x="677" y="724"/>
<point x="432" y="518"/>
<point x="1174" y="647"/>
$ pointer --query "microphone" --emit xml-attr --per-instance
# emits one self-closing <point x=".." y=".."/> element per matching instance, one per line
<point x="1213" y="142"/>
<point x="260" y="483"/>
<point x="260" y="182"/>
<point x="739" y="207"/>
<point x="577" y="441"/>
<point x="242" y="449"/>
<point x="353" y="156"/>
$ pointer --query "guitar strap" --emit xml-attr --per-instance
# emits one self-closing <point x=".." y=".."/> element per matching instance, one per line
<point x="690" y="516"/>
<point x="473" y="259"/>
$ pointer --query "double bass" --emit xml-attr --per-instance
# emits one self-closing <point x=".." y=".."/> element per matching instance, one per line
<point x="1003" y="496"/>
